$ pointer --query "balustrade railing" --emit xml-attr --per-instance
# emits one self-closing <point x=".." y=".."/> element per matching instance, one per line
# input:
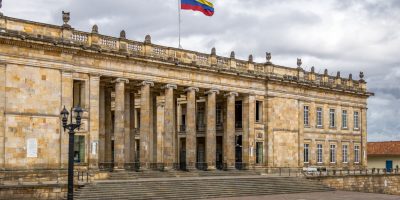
<point x="108" y="43"/>
<point x="347" y="172"/>
<point x="79" y="37"/>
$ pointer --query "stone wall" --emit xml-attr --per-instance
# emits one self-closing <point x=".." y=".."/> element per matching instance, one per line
<point x="384" y="184"/>
<point x="42" y="192"/>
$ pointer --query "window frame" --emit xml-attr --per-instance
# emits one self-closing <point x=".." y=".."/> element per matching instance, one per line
<point x="356" y="120"/>
<point x="306" y="115"/>
<point x="332" y="153"/>
<point x="320" y="152"/>
<point x="332" y="118"/>
<point x="356" y="154"/>
<point x="319" y="115"/>
<point x="306" y="153"/>
<point x="345" y="153"/>
<point x="344" y="119"/>
<point x="259" y="111"/>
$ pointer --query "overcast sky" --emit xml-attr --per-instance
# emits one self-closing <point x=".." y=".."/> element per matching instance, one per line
<point x="349" y="36"/>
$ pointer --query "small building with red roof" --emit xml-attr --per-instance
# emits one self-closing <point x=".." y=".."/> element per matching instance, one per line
<point x="383" y="154"/>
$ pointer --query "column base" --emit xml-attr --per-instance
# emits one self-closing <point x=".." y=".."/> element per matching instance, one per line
<point x="211" y="168"/>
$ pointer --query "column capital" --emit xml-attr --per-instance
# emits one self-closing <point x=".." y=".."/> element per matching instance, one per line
<point x="235" y="94"/>
<point x="170" y="86"/>
<point x="189" y="89"/>
<point x="119" y="80"/>
<point x="213" y="90"/>
<point x="143" y="83"/>
<point x="95" y="75"/>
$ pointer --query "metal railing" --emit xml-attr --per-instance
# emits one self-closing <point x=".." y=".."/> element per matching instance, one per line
<point x="351" y="172"/>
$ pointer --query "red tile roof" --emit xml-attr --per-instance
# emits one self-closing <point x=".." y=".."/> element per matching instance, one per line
<point x="383" y="148"/>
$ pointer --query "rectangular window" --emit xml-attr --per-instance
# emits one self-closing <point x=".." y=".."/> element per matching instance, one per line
<point x="319" y="153"/>
<point x="332" y="153"/>
<point x="306" y="153"/>
<point x="306" y="115"/>
<point x="344" y="154"/>
<point x="356" y="120"/>
<point x="219" y="114"/>
<point x="259" y="111"/>
<point x="356" y="154"/>
<point x="319" y="117"/>
<point x="332" y="121"/>
<point x="238" y="114"/>
<point x="259" y="152"/>
<point x="79" y="93"/>
<point x="79" y="149"/>
<point x="344" y="118"/>
<point x="138" y="117"/>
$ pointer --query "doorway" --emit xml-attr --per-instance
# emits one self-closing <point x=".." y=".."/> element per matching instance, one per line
<point x="389" y="165"/>
<point x="182" y="154"/>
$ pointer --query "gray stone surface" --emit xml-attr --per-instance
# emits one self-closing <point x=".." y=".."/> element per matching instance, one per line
<point x="334" y="195"/>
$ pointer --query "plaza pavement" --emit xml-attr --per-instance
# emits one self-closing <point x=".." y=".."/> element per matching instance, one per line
<point x="334" y="195"/>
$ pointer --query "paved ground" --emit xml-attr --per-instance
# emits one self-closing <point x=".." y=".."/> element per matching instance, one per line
<point x="335" y="195"/>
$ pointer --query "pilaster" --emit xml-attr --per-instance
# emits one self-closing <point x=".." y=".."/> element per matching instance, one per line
<point x="67" y="101"/>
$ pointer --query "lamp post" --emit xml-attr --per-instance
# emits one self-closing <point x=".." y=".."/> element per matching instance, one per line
<point x="71" y="131"/>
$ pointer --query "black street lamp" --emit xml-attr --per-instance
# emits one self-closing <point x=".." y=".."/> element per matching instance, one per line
<point x="71" y="131"/>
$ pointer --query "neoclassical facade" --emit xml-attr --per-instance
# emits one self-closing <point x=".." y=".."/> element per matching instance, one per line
<point x="151" y="106"/>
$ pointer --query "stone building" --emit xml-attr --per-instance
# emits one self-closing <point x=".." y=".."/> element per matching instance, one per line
<point x="151" y="106"/>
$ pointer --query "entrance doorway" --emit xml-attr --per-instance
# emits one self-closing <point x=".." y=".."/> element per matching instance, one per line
<point x="389" y="165"/>
<point x="200" y="159"/>
<point x="182" y="154"/>
<point x="219" y="151"/>
<point x="238" y="152"/>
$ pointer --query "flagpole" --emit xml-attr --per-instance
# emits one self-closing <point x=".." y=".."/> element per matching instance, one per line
<point x="179" y="22"/>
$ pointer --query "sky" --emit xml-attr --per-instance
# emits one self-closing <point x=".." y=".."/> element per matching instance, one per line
<point x="348" y="36"/>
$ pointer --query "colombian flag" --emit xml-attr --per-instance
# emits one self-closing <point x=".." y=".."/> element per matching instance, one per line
<point x="203" y="6"/>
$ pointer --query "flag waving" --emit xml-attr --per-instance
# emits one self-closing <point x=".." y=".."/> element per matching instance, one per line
<point x="203" y="6"/>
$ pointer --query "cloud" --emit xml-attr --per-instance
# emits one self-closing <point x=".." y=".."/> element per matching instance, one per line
<point x="348" y="36"/>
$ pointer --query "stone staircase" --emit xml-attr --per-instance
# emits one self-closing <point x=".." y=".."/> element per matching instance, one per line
<point x="196" y="187"/>
<point x="131" y="175"/>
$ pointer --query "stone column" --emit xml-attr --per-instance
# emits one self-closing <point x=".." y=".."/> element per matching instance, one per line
<point x="127" y="135"/>
<point x="119" y="123"/>
<point x="102" y="128"/>
<point x="211" y="129"/>
<point x="2" y="114"/>
<point x="191" y="128"/>
<point x="67" y="101"/>
<point x="94" y="106"/>
<point x="229" y="131"/>
<point x="170" y="137"/>
<point x="146" y="124"/>
<point x="108" y="123"/>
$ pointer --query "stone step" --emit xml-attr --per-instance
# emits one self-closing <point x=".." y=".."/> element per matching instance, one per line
<point x="198" y="188"/>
